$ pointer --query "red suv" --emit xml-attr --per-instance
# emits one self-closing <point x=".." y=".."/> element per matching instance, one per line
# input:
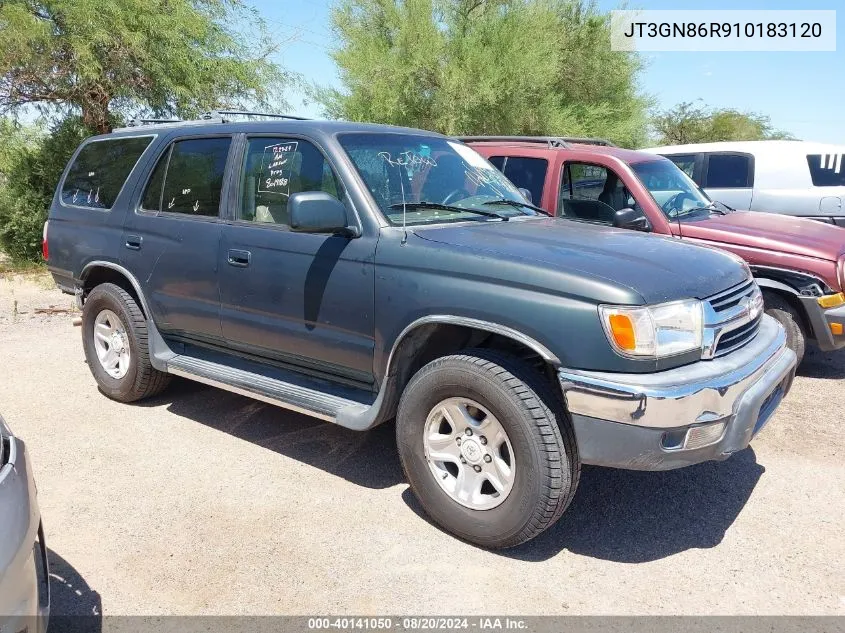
<point x="798" y="263"/>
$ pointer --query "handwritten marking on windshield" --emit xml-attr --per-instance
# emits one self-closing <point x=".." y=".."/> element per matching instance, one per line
<point x="408" y="159"/>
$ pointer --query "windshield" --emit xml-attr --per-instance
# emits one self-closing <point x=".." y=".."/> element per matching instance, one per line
<point x="678" y="196"/>
<point x="431" y="179"/>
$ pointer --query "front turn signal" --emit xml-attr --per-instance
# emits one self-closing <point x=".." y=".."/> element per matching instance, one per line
<point x="832" y="301"/>
<point x="623" y="331"/>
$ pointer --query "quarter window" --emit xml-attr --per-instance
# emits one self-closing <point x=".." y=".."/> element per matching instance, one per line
<point x="827" y="170"/>
<point x="189" y="178"/>
<point x="525" y="172"/>
<point x="100" y="170"/>
<point x="728" y="171"/>
<point x="276" y="168"/>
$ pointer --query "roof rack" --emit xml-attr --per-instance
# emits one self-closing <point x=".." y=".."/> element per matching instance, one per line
<point x="213" y="116"/>
<point x="549" y="141"/>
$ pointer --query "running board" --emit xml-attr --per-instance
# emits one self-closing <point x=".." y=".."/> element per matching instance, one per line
<point x="321" y="399"/>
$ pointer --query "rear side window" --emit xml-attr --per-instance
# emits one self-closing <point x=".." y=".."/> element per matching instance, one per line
<point x="97" y="175"/>
<point x="728" y="171"/>
<point x="685" y="162"/>
<point x="524" y="172"/>
<point x="188" y="178"/>
<point x="827" y="170"/>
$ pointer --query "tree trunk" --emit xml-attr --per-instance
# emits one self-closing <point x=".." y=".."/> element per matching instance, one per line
<point x="95" y="112"/>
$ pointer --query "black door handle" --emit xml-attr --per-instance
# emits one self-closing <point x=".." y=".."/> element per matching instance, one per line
<point x="239" y="258"/>
<point x="133" y="242"/>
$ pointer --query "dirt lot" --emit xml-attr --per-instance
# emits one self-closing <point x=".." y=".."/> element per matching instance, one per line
<point x="201" y="501"/>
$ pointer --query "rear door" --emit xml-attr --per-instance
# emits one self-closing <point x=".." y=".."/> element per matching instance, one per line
<point x="171" y="239"/>
<point x="300" y="299"/>
<point x="729" y="178"/>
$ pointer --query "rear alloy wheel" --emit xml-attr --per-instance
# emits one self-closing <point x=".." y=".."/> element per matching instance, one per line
<point x="115" y="339"/>
<point x="112" y="344"/>
<point x="487" y="447"/>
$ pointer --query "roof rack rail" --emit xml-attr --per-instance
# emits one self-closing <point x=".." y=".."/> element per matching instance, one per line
<point x="213" y="116"/>
<point x="550" y="141"/>
<point x="223" y="114"/>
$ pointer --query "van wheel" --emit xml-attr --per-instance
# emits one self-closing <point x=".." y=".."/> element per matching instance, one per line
<point x="779" y="308"/>
<point x="487" y="448"/>
<point x="114" y="337"/>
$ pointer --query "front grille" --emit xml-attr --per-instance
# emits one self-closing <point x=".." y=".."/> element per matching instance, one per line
<point x="731" y="298"/>
<point x="732" y="319"/>
<point x="734" y="339"/>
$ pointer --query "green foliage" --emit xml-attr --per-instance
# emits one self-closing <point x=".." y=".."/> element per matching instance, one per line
<point x="32" y="164"/>
<point x="166" y="56"/>
<point x="485" y="67"/>
<point x="695" y="123"/>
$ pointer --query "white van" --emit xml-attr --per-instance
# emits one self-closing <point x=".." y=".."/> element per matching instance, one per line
<point x="798" y="178"/>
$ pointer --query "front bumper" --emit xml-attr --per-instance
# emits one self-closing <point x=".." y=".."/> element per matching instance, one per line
<point x="820" y="321"/>
<point x="24" y="586"/>
<point x="644" y="421"/>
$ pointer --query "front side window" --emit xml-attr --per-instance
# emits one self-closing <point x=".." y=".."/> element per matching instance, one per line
<point x="276" y="168"/>
<point x="525" y="172"/>
<point x="678" y="196"/>
<point x="592" y="193"/>
<point x="728" y="171"/>
<point x="188" y="178"/>
<point x="431" y="179"/>
<point x="100" y="170"/>
<point x="827" y="170"/>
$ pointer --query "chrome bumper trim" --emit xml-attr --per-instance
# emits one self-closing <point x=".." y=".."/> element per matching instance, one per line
<point x="705" y="391"/>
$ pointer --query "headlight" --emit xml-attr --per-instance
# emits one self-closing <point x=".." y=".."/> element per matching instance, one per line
<point x="656" y="331"/>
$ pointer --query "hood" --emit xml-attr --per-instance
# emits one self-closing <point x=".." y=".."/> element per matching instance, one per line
<point x="771" y="231"/>
<point x="658" y="269"/>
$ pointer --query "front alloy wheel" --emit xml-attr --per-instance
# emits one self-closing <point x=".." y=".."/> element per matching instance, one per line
<point x="487" y="447"/>
<point x="469" y="453"/>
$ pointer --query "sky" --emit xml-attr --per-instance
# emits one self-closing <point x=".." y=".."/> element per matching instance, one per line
<point x="802" y="92"/>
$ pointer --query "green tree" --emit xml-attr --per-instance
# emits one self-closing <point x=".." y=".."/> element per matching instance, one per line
<point x="166" y="57"/>
<point x="690" y="122"/>
<point x="485" y="67"/>
<point x="31" y="163"/>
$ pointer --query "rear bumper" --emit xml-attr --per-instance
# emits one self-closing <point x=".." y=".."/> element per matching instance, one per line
<point x="704" y="411"/>
<point x="24" y="586"/>
<point x="820" y="322"/>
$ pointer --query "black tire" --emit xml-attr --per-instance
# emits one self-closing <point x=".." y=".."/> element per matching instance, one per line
<point x="141" y="380"/>
<point x="779" y="308"/>
<point x="543" y="440"/>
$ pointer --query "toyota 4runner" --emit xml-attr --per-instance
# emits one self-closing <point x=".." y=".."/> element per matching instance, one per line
<point x="364" y="273"/>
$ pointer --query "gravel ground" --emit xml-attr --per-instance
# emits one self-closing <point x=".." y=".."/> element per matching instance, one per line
<point x="204" y="502"/>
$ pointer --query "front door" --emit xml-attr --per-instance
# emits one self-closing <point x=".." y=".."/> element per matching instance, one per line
<point x="300" y="299"/>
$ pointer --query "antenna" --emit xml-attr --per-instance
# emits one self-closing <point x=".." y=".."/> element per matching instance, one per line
<point x="404" y="207"/>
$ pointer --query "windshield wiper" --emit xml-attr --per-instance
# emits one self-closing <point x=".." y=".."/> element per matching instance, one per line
<point x="447" y="207"/>
<point x="517" y="203"/>
<point x="710" y="207"/>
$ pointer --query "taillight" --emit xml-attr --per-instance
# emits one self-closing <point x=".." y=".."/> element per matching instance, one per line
<point x="45" y="250"/>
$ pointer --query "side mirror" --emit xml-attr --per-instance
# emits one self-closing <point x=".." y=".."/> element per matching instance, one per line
<point x="629" y="218"/>
<point x="526" y="194"/>
<point x="317" y="212"/>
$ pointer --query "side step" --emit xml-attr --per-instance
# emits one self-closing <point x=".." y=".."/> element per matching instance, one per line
<point x="290" y="390"/>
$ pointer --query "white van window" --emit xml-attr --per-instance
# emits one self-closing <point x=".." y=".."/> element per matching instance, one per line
<point x="728" y="171"/>
<point x="827" y="170"/>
